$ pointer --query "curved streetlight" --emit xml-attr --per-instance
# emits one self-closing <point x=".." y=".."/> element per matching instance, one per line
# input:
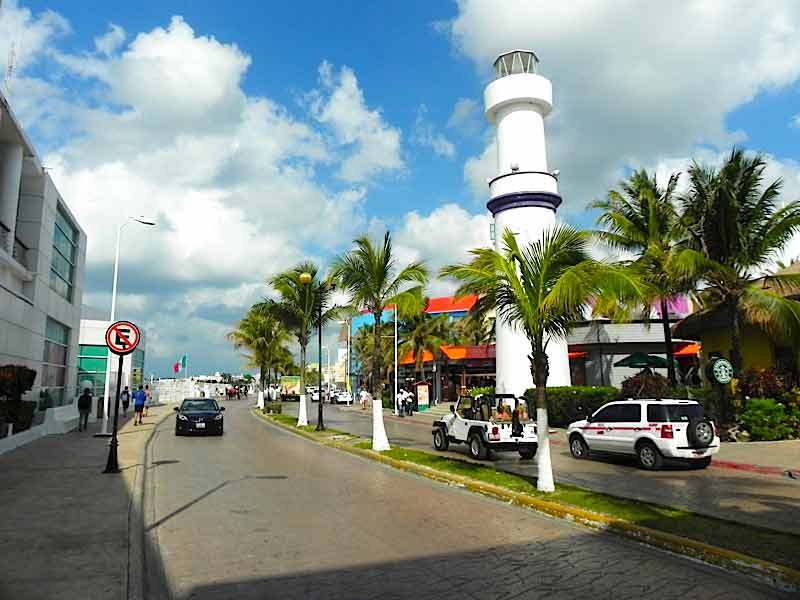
<point x="106" y="404"/>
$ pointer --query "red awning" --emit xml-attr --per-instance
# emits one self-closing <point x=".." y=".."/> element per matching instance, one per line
<point x="450" y="304"/>
<point x="578" y="354"/>
<point x="688" y="350"/>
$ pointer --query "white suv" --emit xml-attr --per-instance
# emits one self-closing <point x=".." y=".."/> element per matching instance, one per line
<point x="649" y="429"/>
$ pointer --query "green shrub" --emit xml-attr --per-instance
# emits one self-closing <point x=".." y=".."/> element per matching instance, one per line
<point x="568" y="404"/>
<point x="762" y="383"/>
<point x="645" y="385"/>
<point x="477" y="391"/>
<point x="273" y="407"/>
<point x="767" y="420"/>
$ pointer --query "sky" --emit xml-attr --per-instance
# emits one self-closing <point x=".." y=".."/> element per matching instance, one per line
<point x="260" y="134"/>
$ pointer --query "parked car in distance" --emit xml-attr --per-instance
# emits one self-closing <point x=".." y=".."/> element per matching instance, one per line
<point x="199" y="416"/>
<point x="650" y="430"/>
<point x="499" y="422"/>
<point x="342" y="397"/>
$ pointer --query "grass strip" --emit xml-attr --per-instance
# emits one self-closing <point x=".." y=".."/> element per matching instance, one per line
<point x="292" y="422"/>
<point x="774" y="546"/>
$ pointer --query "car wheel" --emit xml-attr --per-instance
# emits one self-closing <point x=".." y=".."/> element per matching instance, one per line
<point x="528" y="452"/>
<point x="649" y="457"/>
<point x="178" y="432"/>
<point x="477" y="449"/>
<point x="578" y="447"/>
<point x="700" y="463"/>
<point x="440" y="441"/>
<point x="700" y="433"/>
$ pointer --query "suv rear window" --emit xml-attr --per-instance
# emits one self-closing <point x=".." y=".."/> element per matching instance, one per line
<point x="673" y="413"/>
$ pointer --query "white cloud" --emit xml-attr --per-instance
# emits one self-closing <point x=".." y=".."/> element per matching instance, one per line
<point x="466" y="116"/>
<point x="340" y="105"/>
<point x="795" y="122"/>
<point x="165" y="129"/>
<point x="109" y="42"/>
<point x="425" y="134"/>
<point x="479" y="169"/>
<point x="444" y="236"/>
<point x="625" y="92"/>
<point x="29" y="34"/>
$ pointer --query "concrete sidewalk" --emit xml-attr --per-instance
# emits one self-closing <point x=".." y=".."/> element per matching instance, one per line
<point x="766" y="458"/>
<point x="64" y="531"/>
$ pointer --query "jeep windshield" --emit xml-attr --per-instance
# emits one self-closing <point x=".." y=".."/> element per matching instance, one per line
<point x="504" y="409"/>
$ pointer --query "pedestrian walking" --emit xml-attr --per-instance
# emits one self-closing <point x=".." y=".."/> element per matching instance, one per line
<point x="84" y="408"/>
<point x="139" y="399"/>
<point x="401" y="402"/>
<point x="125" y="398"/>
<point x="149" y="398"/>
<point x="363" y="397"/>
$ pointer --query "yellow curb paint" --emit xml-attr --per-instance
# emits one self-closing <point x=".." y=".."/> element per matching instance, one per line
<point x="785" y="578"/>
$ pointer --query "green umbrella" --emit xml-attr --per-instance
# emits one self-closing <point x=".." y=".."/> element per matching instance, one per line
<point x="640" y="360"/>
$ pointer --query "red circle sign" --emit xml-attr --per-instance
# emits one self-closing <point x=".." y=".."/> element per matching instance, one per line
<point x="122" y="337"/>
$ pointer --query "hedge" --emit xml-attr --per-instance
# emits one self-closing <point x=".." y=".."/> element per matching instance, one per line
<point x="568" y="404"/>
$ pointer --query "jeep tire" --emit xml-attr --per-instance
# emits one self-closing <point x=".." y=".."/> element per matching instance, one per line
<point x="440" y="441"/>
<point x="648" y="456"/>
<point x="528" y="451"/>
<point x="578" y="447"/>
<point x="477" y="449"/>
<point x="700" y="433"/>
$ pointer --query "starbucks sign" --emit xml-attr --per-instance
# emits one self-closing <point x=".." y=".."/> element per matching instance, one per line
<point x="721" y="371"/>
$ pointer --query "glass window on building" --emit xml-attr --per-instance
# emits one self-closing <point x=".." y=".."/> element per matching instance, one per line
<point x="137" y="368"/>
<point x="54" y="365"/>
<point x="65" y="252"/>
<point x="92" y="369"/>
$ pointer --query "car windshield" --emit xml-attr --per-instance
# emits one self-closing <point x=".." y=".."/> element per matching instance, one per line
<point x="684" y="412"/>
<point x="199" y="404"/>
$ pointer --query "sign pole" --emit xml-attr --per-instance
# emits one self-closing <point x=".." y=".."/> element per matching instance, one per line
<point x="112" y="465"/>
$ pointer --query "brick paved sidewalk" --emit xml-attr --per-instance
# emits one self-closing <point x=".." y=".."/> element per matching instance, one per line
<point x="64" y="525"/>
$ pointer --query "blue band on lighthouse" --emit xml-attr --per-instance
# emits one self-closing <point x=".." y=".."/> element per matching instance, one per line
<point x="524" y="199"/>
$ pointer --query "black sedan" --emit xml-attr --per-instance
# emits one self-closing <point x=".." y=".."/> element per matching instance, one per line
<point x="199" y="415"/>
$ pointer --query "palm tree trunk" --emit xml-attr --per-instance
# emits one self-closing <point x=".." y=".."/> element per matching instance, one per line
<point x="302" y="417"/>
<point x="376" y="358"/>
<point x="668" y="343"/>
<point x="540" y="371"/>
<point x="261" y="375"/>
<point x="736" y="354"/>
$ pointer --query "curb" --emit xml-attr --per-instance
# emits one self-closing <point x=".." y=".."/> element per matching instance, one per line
<point x="783" y="578"/>
<point x="136" y="559"/>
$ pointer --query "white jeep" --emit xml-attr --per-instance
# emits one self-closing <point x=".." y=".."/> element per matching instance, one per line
<point x="651" y="430"/>
<point x="498" y="422"/>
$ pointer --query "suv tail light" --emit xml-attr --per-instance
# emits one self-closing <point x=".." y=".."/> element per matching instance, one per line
<point x="666" y="432"/>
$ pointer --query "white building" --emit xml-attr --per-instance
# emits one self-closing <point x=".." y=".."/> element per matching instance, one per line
<point x="93" y="353"/>
<point x="42" y="258"/>
<point x="523" y="197"/>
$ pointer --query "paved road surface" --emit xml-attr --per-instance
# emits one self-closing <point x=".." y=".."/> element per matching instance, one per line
<point x="262" y="513"/>
<point x="764" y="500"/>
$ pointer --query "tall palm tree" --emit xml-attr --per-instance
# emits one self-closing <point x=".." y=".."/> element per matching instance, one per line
<point x="736" y="227"/>
<point x="641" y="218"/>
<point x="542" y="288"/>
<point x="263" y="338"/>
<point x="475" y="329"/>
<point x="304" y="297"/>
<point x="363" y="344"/>
<point x="420" y="333"/>
<point x="369" y="273"/>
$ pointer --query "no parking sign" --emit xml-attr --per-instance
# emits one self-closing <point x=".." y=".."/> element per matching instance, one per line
<point x="122" y="337"/>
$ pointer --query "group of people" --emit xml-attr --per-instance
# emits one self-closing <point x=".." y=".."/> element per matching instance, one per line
<point x="405" y="402"/>
<point x="142" y="398"/>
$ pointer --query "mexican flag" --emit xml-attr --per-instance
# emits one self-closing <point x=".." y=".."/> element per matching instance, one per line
<point x="181" y="364"/>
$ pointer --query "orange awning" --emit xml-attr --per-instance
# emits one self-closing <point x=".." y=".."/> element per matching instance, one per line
<point x="408" y="358"/>
<point x="578" y="354"/>
<point x="689" y="350"/>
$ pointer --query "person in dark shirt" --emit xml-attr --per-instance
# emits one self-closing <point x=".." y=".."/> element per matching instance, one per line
<point x="84" y="408"/>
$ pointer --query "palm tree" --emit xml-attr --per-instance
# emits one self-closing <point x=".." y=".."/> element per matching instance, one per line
<point x="370" y="275"/>
<point x="262" y="335"/>
<point x="304" y="298"/>
<point x="542" y="288"/>
<point x="363" y="344"/>
<point x="420" y="333"/>
<point x="641" y="219"/>
<point x="735" y="228"/>
<point x="475" y="329"/>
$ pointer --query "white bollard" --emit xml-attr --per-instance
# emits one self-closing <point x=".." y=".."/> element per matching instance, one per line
<point x="379" y="440"/>
<point x="261" y="400"/>
<point x="302" y="418"/>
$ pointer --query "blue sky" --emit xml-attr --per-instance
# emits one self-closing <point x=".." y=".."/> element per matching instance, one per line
<point x="262" y="133"/>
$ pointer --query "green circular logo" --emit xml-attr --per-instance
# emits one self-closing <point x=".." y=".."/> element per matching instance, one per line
<point x="722" y="371"/>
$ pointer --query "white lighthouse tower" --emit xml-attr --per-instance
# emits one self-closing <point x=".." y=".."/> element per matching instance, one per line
<point x="524" y="197"/>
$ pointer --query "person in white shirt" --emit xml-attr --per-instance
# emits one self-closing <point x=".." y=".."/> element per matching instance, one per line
<point x="363" y="397"/>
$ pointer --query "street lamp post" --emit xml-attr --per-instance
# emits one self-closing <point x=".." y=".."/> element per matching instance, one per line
<point x="302" y="417"/>
<point x="320" y="424"/>
<point x="106" y="404"/>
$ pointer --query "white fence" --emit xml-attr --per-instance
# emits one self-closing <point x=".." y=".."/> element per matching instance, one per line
<point x="174" y="390"/>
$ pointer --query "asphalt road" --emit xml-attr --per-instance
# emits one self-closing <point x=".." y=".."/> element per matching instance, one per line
<point x="262" y="513"/>
<point x="762" y="500"/>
